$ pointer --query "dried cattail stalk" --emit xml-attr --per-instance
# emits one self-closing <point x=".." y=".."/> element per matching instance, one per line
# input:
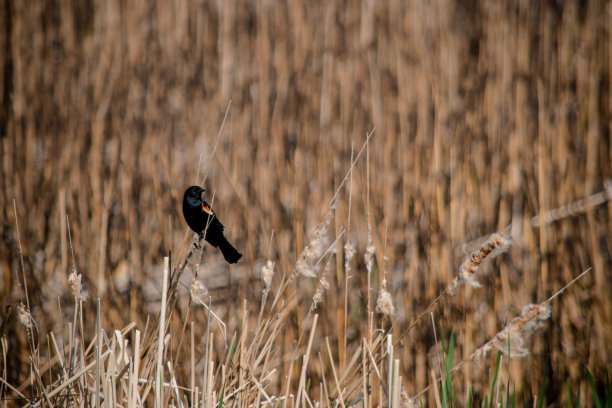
<point x="307" y="264"/>
<point x="577" y="207"/>
<point x="267" y="274"/>
<point x="516" y="332"/>
<point x="74" y="281"/>
<point x="198" y="291"/>
<point x="495" y="245"/>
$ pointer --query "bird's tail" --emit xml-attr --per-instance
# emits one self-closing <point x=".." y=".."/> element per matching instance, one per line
<point x="230" y="253"/>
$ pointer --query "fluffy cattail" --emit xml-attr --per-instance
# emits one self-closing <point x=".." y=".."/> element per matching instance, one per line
<point x="198" y="291"/>
<point x="25" y="318"/>
<point x="517" y="332"/>
<point x="384" y="303"/>
<point x="321" y="288"/>
<point x="307" y="263"/>
<point x="368" y="257"/>
<point x="349" y="253"/>
<point x="74" y="281"/>
<point x="495" y="245"/>
<point x="406" y="401"/>
<point x="267" y="274"/>
<point x="323" y="284"/>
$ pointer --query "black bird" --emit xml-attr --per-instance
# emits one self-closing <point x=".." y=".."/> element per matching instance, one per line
<point x="198" y="215"/>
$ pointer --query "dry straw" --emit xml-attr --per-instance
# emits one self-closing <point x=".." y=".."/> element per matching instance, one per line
<point x="577" y="207"/>
<point x="507" y="157"/>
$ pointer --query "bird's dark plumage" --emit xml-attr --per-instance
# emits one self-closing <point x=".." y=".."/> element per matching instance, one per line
<point x="198" y="214"/>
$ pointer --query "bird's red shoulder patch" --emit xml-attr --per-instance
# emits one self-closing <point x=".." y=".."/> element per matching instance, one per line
<point x="207" y="209"/>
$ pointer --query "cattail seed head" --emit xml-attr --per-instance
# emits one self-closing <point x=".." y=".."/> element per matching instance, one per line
<point x="495" y="245"/>
<point x="267" y="274"/>
<point x="321" y="288"/>
<point x="368" y="257"/>
<point x="384" y="303"/>
<point x="25" y="318"/>
<point x="74" y="281"/>
<point x="517" y="331"/>
<point x="198" y="291"/>
<point x="521" y="328"/>
<point x="349" y="253"/>
<point x="306" y="264"/>
<point x="323" y="284"/>
<point x="406" y="401"/>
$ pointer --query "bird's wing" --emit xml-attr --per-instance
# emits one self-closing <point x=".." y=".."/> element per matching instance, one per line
<point x="206" y="208"/>
<point x="213" y="219"/>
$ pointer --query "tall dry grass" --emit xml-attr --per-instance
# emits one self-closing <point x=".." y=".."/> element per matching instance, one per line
<point x="485" y="115"/>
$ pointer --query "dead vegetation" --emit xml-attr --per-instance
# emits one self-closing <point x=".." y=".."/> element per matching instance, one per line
<point x="488" y="117"/>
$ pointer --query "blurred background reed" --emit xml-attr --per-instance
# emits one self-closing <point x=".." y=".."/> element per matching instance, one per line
<point x="485" y="114"/>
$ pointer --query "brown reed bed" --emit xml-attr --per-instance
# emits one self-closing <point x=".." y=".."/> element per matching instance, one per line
<point x="488" y="117"/>
<point x="129" y="368"/>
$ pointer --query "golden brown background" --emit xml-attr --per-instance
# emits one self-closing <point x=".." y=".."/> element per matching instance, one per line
<point x="485" y="114"/>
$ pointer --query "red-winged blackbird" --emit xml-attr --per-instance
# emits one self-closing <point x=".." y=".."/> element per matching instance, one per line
<point x="198" y="215"/>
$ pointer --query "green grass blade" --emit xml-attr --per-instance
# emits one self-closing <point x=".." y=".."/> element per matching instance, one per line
<point x="220" y="404"/>
<point x="489" y="399"/>
<point x="231" y="352"/>
<point x="508" y="393"/>
<point x="468" y="402"/>
<point x="448" y="365"/>
<point x="596" y="399"/>
<point x="443" y="390"/>
<point x="608" y="390"/>
<point x="451" y="352"/>
<point x="541" y="394"/>
<point x="569" y="393"/>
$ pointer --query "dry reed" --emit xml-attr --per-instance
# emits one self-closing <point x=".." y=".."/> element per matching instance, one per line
<point x="487" y="115"/>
